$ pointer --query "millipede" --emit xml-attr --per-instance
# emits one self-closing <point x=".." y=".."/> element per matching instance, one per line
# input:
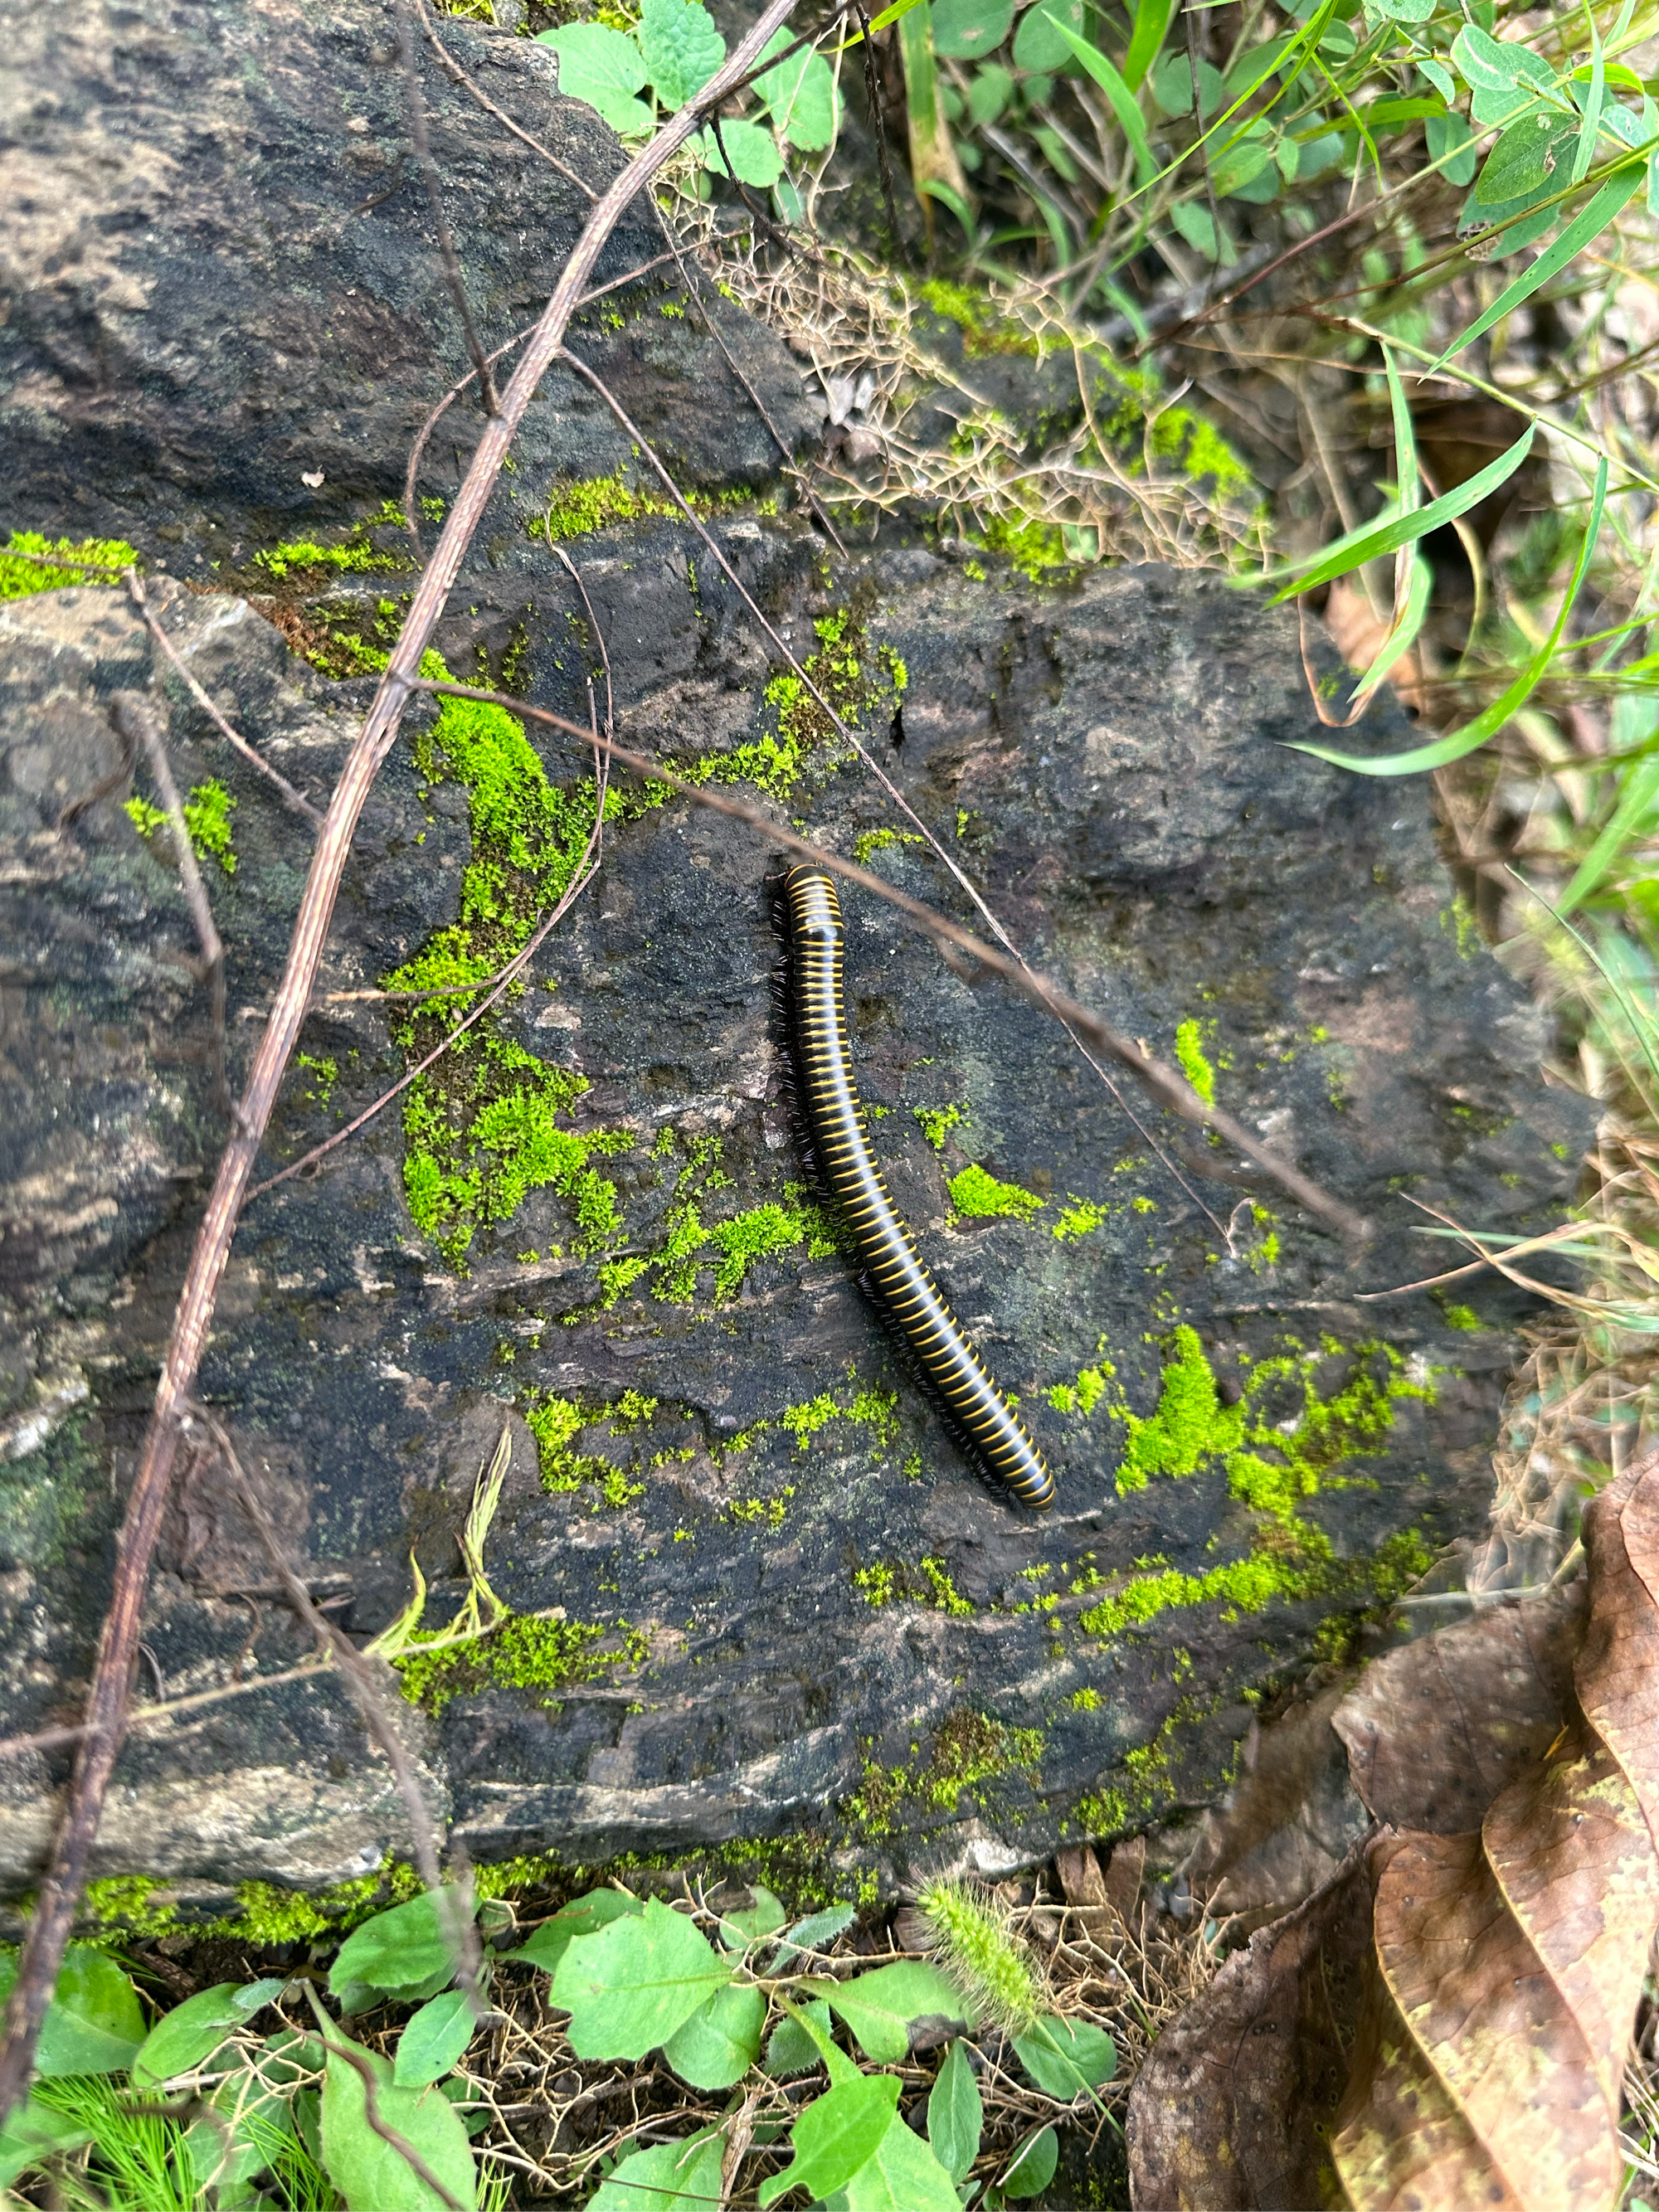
<point x="990" y="1433"/>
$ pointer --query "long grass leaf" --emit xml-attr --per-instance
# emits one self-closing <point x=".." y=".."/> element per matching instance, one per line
<point x="1359" y="546"/>
<point x="1590" y="130"/>
<point x="1591" y="220"/>
<point x="1124" y="100"/>
<point x="1641" y="1026"/>
<point x="1456" y="742"/>
<point x="1403" y="633"/>
<point x="1153" y="19"/>
<point x="1641" y="786"/>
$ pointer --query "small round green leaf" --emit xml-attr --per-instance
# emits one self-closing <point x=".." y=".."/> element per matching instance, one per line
<point x="755" y="156"/>
<point x="681" y="47"/>
<point x="966" y="30"/>
<point x="1065" y="2057"/>
<point x="1038" y="44"/>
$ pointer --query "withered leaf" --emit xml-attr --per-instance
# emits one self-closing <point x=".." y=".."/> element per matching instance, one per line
<point x="1437" y="1727"/>
<point x="1226" y="2114"/>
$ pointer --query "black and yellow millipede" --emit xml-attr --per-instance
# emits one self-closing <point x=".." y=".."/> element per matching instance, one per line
<point x="992" y="1435"/>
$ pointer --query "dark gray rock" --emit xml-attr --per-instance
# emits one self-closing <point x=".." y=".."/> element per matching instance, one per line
<point x="226" y="317"/>
<point x="1109" y="756"/>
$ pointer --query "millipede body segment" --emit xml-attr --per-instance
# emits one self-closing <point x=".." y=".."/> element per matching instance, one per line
<point x="984" y="1422"/>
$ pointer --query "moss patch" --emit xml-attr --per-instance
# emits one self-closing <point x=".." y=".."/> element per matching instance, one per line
<point x="105" y="558"/>
<point x="977" y="1193"/>
<point x="537" y="1653"/>
<point x="1194" y="1061"/>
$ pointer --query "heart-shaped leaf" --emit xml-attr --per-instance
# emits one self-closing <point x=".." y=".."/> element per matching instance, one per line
<point x="878" y="2006"/>
<point x="631" y="1986"/>
<point x="681" y="47"/>
<point x="722" y="2040"/>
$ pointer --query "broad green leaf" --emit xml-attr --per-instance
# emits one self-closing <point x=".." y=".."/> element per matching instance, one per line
<point x="1504" y="76"/>
<point x="1403" y="11"/>
<point x="400" y="1950"/>
<point x="1524" y="162"/>
<point x="1453" y="746"/>
<point x="1066" y="2056"/>
<point x="374" y="2175"/>
<point x="291" y="2055"/>
<point x="1032" y="2168"/>
<point x="1451" y="142"/>
<point x="1439" y="77"/>
<point x="755" y="155"/>
<point x="681" y="47"/>
<point x="434" y="2039"/>
<point x="1192" y="219"/>
<point x="813" y="1934"/>
<point x="1150" y="27"/>
<point x="672" y="2177"/>
<point x="1130" y="121"/>
<point x="835" y="2135"/>
<point x="720" y="2041"/>
<point x="901" y="2175"/>
<point x="764" y="1917"/>
<point x="631" y="1986"/>
<point x="183" y="2037"/>
<point x="94" y="2022"/>
<point x="956" y="2114"/>
<point x="584" y="1916"/>
<point x="1374" y="539"/>
<point x="799" y="94"/>
<point x="33" y="2132"/>
<point x="1039" y="43"/>
<point x="1622" y="185"/>
<point x="878" y="2006"/>
<point x="989" y="90"/>
<point x="790" y="2049"/>
<point x="966" y="30"/>
<point x="604" y="68"/>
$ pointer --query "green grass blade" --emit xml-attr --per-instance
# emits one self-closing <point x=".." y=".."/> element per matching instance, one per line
<point x="888" y="16"/>
<point x="1405" y="437"/>
<point x="1129" y="114"/>
<point x="1623" y="184"/>
<point x="1590" y="130"/>
<point x="1456" y="742"/>
<point x="1641" y="1026"/>
<point x="1153" y="19"/>
<point x="1403" y="631"/>
<point x="1641" y="787"/>
<point x="1359" y="546"/>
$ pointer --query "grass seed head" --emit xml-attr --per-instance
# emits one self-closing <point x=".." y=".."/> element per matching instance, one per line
<point x="975" y="1944"/>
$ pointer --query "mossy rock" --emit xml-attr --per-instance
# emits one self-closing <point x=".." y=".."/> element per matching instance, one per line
<point x="755" y="1602"/>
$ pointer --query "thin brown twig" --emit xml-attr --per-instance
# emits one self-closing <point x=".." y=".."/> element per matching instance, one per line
<point x="1170" y="1089"/>
<point x="415" y="103"/>
<point x="14" y="1746"/>
<point x="290" y="797"/>
<point x="135" y="718"/>
<point x="65" y="1875"/>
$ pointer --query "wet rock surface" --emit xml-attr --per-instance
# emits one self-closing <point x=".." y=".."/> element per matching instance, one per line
<point x="750" y="1592"/>
<point x="778" y="1602"/>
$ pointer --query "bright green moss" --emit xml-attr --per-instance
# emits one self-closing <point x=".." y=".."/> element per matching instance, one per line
<point x="1079" y="1218"/>
<point x="137" y="1906"/>
<point x="985" y="329"/>
<point x="1087" y="1699"/>
<point x="1462" y="1317"/>
<point x="207" y="819"/>
<point x="556" y="1423"/>
<point x="482" y="1127"/>
<point x="577" y="510"/>
<point x="1195" y="1063"/>
<point x="526" y="1652"/>
<point x="105" y="558"/>
<point x="1035" y="549"/>
<point x="1189" y="1426"/>
<point x="975" y="1191"/>
<point x="936" y="1122"/>
<point x="750" y="1512"/>
<point x="1082" y="1396"/>
<point x="1187" y="438"/>
<point x="304" y="554"/>
<point x="879" y="841"/>
<point x="928" y="1584"/>
<point x="874" y="1409"/>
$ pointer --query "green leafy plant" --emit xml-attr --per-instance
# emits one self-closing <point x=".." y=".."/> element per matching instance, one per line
<point x="671" y="53"/>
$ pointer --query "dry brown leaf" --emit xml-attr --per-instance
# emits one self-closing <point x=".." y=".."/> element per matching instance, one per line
<point x="1511" y="1958"/>
<point x="1228" y="2113"/>
<point x="1437" y="1727"/>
